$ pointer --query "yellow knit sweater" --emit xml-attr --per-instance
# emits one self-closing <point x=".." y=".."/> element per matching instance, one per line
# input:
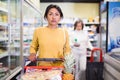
<point x="49" y="43"/>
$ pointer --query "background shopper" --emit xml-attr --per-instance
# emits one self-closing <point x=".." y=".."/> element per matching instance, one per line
<point x="79" y="43"/>
<point x="50" y="41"/>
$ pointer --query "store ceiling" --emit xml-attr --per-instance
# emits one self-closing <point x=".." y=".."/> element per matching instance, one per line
<point x="70" y="0"/>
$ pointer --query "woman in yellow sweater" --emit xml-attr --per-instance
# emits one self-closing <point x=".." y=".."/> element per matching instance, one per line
<point x="50" y="41"/>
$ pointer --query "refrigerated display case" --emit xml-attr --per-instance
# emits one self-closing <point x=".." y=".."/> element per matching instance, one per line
<point x="3" y="26"/>
<point x="15" y="18"/>
<point x="113" y="35"/>
<point x="110" y="17"/>
<point x="3" y="38"/>
<point x="109" y="10"/>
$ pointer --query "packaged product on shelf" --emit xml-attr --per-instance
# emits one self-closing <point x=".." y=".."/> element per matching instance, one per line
<point x="1" y="64"/>
<point x="90" y="19"/>
<point x="4" y="18"/>
<point x="3" y="71"/>
<point x="0" y="18"/>
<point x="96" y="19"/>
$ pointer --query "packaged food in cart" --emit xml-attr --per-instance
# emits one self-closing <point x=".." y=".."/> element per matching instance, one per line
<point x="43" y="72"/>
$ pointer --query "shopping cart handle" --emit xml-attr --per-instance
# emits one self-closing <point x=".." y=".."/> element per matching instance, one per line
<point x="49" y="59"/>
<point x="46" y="59"/>
<point x="92" y="51"/>
<point x="26" y="59"/>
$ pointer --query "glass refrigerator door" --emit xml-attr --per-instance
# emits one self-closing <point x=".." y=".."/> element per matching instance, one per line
<point x="30" y="22"/>
<point x="14" y="34"/>
<point x="3" y="38"/>
<point x="10" y="34"/>
<point x="113" y="44"/>
<point x="9" y="37"/>
<point x="113" y="34"/>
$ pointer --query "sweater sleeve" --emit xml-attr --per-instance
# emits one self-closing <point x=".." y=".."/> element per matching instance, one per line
<point x="34" y="44"/>
<point x="67" y="45"/>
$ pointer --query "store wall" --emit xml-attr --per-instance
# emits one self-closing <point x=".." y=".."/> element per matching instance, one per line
<point x="81" y="10"/>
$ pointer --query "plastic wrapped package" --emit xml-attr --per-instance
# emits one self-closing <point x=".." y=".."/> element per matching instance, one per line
<point x="42" y="73"/>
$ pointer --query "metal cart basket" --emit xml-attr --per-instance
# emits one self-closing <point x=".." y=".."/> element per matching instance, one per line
<point x="43" y="72"/>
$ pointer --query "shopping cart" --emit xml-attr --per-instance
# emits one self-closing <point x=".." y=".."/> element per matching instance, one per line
<point x="94" y="70"/>
<point x="43" y="72"/>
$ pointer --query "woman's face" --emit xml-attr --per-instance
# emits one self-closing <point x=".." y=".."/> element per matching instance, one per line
<point x="53" y="17"/>
<point x="79" y="26"/>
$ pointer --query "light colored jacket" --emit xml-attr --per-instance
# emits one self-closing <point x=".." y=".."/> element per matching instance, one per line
<point x="82" y="39"/>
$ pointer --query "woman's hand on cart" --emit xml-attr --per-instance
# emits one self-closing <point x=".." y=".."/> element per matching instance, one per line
<point x="32" y="57"/>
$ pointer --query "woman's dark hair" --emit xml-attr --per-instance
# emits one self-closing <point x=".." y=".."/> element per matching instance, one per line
<point x="53" y="6"/>
<point x="78" y="21"/>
